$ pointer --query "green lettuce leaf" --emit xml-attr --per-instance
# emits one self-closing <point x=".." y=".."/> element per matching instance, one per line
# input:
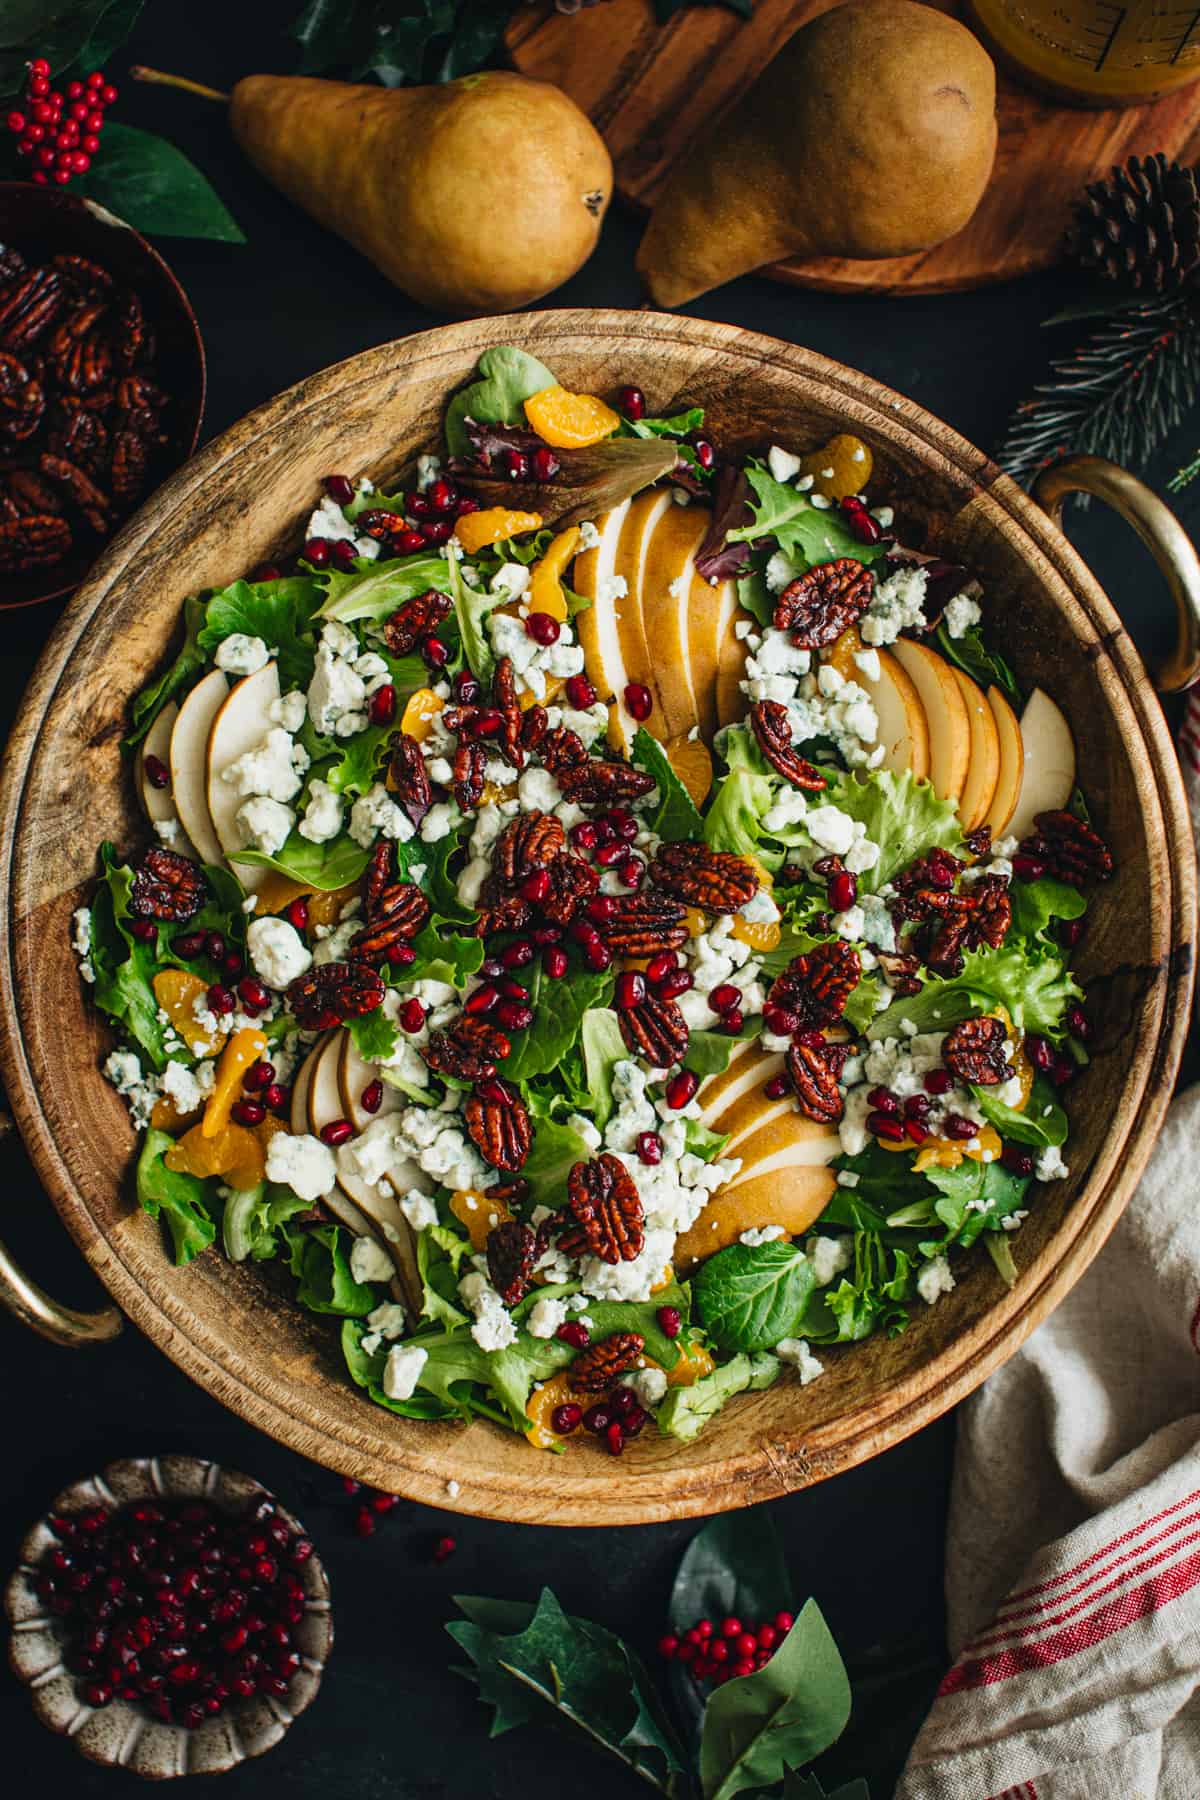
<point x="687" y="1410"/>
<point x="124" y="966"/>
<point x="677" y="426"/>
<point x="603" y="1047"/>
<point x="751" y="1296"/>
<point x="870" y="1296"/>
<point x="675" y="816"/>
<point x="556" y="1147"/>
<point x="1035" y="904"/>
<point x="320" y="1262"/>
<point x="472" y="607"/>
<point x="251" y="1220"/>
<point x="1042" y="1123"/>
<point x="504" y="379"/>
<point x="443" y="954"/>
<point x="279" y="612"/>
<point x="181" y="1200"/>
<point x="376" y="592"/>
<point x="808" y="534"/>
<point x="709" y="1052"/>
<point x="366" y="1372"/>
<point x="323" y="866"/>
<point x="902" y="815"/>
<point x="1036" y="990"/>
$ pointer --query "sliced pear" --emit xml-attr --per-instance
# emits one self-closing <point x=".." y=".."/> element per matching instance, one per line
<point x="666" y="604"/>
<point x="188" y="762"/>
<point x="629" y="566"/>
<point x="1049" y="772"/>
<point x="598" y="625"/>
<point x="1012" y="763"/>
<point x="903" y="727"/>
<point x="302" y="1081"/>
<point x="784" y="1180"/>
<point x="983" y="771"/>
<point x="748" y="1066"/>
<point x="732" y="704"/>
<point x="157" y="802"/>
<point x="753" y="1114"/>
<point x="946" y="713"/>
<point x="239" y="725"/>
<point x="355" y="1074"/>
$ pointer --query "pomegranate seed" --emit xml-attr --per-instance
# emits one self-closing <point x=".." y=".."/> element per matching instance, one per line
<point x="649" y="1147"/>
<point x="445" y="1547"/>
<point x="296" y="914"/>
<point x="573" y="1333"/>
<point x="253" y="995"/>
<point x="371" y="1098"/>
<point x="344" y="555"/>
<point x="1077" y="1023"/>
<point x="316" y="552"/>
<point x="220" y="1000"/>
<point x="634" y="1421"/>
<point x="639" y="702"/>
<point x="515" y="464"/>
<point x="630" y="990"/>
<point x="434" y="652"/>
<point x="488" y="723"/>
<point x="554" y="962"/>
<point x="417" y="506"/>
<point x="517" y="955"/>
<point x="917" y="1106"/>
<point x="411" y="1015"/>
<point x="513" y="1016"/>
<point x="384" y="1503"/>
<point x="536" y="887"/>
<point x="597" y="956"/>
<point x="731" y="1022"/>
<point x="543" y="463"/>
<point x="157" y="772"/>
<point x="336" y="1132"/>
<point x="706" y="456"/>
<point x="883" y="1100"/>
<point x="497" y="1093"/>
<point x="843" y="891"/>
<point x="723" y="996"/>
<point x="622" y="824"/>
<point x="543" y="628"/>
<point x="584" y="836"/>
<point x="1027" y="868"/>
<point x="258" y="1076"/>
<point x="670" y="1321"/>
<point x="408" y="542"/>
<point x="681" y="1088"/>
<point x="777" y="1087"/>
<point x="1062" y="1071"/>
<point x="144" y="930"/>
<point x="482" y="1000"/>
<point x="915" y="1131"/>
<point x="660" y="966"/>
<point x="678" y="981"/>
<point x="667" y="1646"/>
<point x="580" y="692"/>
<point x="1070" y="931"/>
<point x="566" y="1419"/>
<point x="632" y="872"/>
<point x="779" y="1020"/>
<point x="441" y="494"/>
<point x="1017" y="1160"/>
<point x="632" y="402"/>
<point x="214" y="945"/>
<point x="438" y="531"/>
<point x="339" y="488"/>
<point x="491" y="968"/>
<point x="614" y="1438"/>
<point x="1040" y="1052"/>
<point x="364" y="1522"/>
<point x="466" y="689"/>
<point x="955" y="1126"/>
<point x="858" y="520"/>
<point x="401" y="955"/>
<point x="248" y="1112"/>
<point x="383" y="705"/>
<point x="600" y="909"/>
<point x="609" y="855"/>
<point x="882" y="1126"/>
<point x="277" y="1098"/>
<point x="938" y="1081"/>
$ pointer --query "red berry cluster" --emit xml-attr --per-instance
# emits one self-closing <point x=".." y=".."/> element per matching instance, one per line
<point x="718" y="1653"/>
<point x="60" y="129"/>
<point x="177" y="1604"/>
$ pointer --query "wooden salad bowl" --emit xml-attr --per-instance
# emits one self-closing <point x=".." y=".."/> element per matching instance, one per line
<point x="64" y="786"/>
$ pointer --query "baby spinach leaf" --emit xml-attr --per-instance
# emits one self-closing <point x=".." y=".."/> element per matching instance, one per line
<point x="755" y="597"/>
<point x="376" y="592"/>
<point x="1042" y="1123"/>
<point x="182" y="1200"/>
<point x="279" y="612"/>
<point x="808" y="534"/>
<point x="152" y="186"/>
<point x="675" y="817"/>
<point x="784" y="1715"/>
<point x="709" y="1052"/>
<point x="555" y="1148"/>
<point x="188" y="662"/>
<point x="319" y="1261"/>
<point x="603" y="1047"/>
<point x="323" y="866"/>
<point x="687" y="1410"/>
<point x="559" y="1008"/>
<point x="505" y="378"/>
<point x="975" y="659"/>
<point x="750" y="1296"/>
<point x="974" y="1197"/>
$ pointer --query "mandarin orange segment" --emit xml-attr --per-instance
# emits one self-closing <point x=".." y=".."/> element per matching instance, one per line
<point x="244" y="1049"/>
<point x="946" y="1153"/>
<point x="420" y="710"/>
<point x="695" y="1362"/>
<point x="278" y="891"/>
<point x="692" y="762"/>
<point x="234" y="1153"/>
<point x="569" y="421"/>
<point x="541" y="1405"/>
<point x="840" y="467"/>
<point x="664" y="1280"/>
<point x="494" y="792"/>
<point x="165" y="1117"/>
<point x="841" y="653"/>
<point x="545" y="586"/>
<point x="696" y="921"/>
<point x="177" y="993"/>
<point x="491" y="526"/>
<point x="479" y="1214"/>
<point x="325" y="908"/>
<point x="760" y="934"/>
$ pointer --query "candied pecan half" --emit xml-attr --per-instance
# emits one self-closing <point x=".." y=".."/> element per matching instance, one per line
<point x="28" y="305"/>
<point x="572" y="881"/>
<point x="410" y="778"/>
<point x="979" y="841"/>
<point x="83" y="276"/>
<point x="330" y="993"/>
<point x="562" y="749"/>
<point x="470" y="764"/>
<point x="535" y="722"/>
<point x="129" y="330"/>
<point x="817" y="985"/>
<point x="974" y="1051"/>
<point x="468" y="1051"/>
<point x="900" y="971"/>
<point x="604" y="1215"/>
<point x="34" y="541"/>
<point x="815" y="1070"/>
<point x="597" y="783"/>
<point x="80" y="486"/>
<point x="655" y="1029"/>
<point x="530" y="841"/>
<point x="937" y="869"/>
<point x="817" y="607"/>
<point x="598" y="1367"/>
<point x="991" y="915"/>
<point x="645" y="923"/>
<point x="501" y="912"/>
<point x="32" y="493"/>
<point x="22" y="398"/>
<point x="715" y="880"/>
<point x="499" y="1129"/>
<point x="380" y="873"/>
<point x="771" y="724"/>
<point x="504" y="698"/>
<point x="80" y="435"/>
<point x="1069" y="850"/>
<point x="86" y="361"/>
<point x="128" y="465"/>
<point x="511" y="1253"/>
<point x="12" y="263"/>
<point x="415" y="620"/>
<point x="399" y="913"/>
<point x="167" y="886"/>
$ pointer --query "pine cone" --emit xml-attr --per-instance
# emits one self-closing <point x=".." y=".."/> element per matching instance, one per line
<point x="1141" y="227"/>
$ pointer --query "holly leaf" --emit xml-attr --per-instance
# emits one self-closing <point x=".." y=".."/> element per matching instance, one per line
<point x="152" y="186"/>
<point x="758" y="1727"/>
<point x="60" y="31"/>
<point x="734" y="1567"/>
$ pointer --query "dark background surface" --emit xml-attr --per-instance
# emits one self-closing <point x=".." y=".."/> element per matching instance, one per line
<point x="391" y="1719"/>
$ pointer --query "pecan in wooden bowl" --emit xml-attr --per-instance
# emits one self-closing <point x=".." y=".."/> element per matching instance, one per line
<point x="101" y="385"/>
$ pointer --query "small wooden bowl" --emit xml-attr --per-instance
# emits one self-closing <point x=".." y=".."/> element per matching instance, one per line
<point x="44" y="222"/>
<point x="122" y="1733"/>
<point x="235" y="1328"/>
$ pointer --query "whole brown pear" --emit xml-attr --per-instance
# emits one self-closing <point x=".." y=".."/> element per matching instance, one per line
<point x="872" y="133"/>
<point x="474" y="196"/>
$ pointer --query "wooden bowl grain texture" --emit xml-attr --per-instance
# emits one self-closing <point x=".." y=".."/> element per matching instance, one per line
<point x="64" y="786"/>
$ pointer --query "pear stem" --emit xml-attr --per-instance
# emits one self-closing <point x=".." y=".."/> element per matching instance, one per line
<point x="159" y="79"/>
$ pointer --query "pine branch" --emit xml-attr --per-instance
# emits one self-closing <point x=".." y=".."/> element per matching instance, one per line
<point x="1182" y="477"/>
<point x="1118" y="395"/>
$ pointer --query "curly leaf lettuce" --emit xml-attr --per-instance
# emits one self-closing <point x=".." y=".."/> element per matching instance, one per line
<point x="1036" y="990"/>
<point x="181" y="1201"/>
<point x="279" y="612"/>
<point x="806" y="533"/>
<point x="901" y="814"/>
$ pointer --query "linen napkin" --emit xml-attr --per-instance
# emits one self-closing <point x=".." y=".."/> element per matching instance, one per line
<point x="1073" y="1547"/>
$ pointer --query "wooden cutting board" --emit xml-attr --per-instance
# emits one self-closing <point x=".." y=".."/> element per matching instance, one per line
<point x="651" y="88"/>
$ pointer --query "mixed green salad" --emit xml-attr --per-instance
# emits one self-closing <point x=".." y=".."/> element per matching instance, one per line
<point x="607" y="921"/>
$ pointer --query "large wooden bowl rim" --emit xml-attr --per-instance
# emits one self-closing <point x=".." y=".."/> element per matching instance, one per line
<point x="545" y="1492"/>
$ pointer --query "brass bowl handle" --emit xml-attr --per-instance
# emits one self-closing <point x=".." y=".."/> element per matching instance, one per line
<point x="61" y="1324"/>
<point x="1160" y="531"/>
